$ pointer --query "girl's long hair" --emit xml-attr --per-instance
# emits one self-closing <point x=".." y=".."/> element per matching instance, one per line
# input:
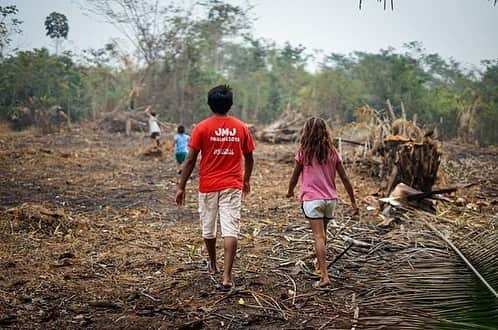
<point x="316" y="141"/>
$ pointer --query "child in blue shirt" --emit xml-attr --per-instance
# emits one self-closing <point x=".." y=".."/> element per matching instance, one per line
<point x="181" y="142"/>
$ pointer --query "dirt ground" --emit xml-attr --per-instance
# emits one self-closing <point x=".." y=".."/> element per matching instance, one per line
<point x="91" y="238"/>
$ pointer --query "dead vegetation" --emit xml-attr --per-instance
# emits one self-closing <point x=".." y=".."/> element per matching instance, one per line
<point x="47" y="120"/>
<point x="91" y="238"/>
<point x="33" y="218"/>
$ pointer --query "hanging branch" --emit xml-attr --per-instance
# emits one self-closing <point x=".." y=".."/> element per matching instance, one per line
<point x="384" y="2"/>
<point x="392" y="3"/>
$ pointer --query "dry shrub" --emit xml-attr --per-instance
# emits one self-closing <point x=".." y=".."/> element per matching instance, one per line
<point x="29" y="217"/>
<point x="152" y="152"/>
<point x="157" y="151"/>
<point x="359" y="132"/>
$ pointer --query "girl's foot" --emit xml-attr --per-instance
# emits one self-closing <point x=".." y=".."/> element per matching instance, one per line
<point x="321" y="284"/>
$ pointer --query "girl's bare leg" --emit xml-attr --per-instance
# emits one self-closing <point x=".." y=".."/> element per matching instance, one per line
<point x="325" y="224"/>
<point x="317" y="226"/>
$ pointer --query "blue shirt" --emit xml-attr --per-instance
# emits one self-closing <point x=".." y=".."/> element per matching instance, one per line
<point x="181" y="142"/>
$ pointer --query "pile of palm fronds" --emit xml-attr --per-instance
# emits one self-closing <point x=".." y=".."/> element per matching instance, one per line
<point x="432" y="286"/>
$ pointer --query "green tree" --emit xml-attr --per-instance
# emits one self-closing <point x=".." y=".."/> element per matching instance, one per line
<point x="9" y="25"/>
<point x="57" y="28"/>
<point x="38" y="80"/>
<point x="337" y="94"/>
<point x="488" y="114"/>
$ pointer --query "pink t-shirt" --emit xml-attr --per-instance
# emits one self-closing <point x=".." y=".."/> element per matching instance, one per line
<point x="318" y="180"/>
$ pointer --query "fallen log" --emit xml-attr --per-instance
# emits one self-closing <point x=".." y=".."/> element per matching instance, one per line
<point x="286" y="129"/>
<point x="122" y="122"/>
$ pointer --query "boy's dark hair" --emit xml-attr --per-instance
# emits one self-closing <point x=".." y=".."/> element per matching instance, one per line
<point x="153" y="114"/>
<point x="180" y="129"/>
<point x="220" y="99"/>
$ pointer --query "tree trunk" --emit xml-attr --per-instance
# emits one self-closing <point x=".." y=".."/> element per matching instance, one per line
<point x="414" y="164"/>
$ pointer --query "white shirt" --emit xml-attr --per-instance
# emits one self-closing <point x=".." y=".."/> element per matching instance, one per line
<point x="153" y="125"/>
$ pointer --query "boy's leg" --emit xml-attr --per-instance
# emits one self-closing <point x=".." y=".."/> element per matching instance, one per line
<point x="178" y="163"/>
<point x="230" y="250"/>
<point x="208" y="211"/>
<point x="211" y="249"/>
<point x="180" y="158"/>
<point x="229" y="208"/>
<point x="317" y="226"/>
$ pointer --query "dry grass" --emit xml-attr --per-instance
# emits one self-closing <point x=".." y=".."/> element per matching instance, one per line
<point x="91" y="238"/>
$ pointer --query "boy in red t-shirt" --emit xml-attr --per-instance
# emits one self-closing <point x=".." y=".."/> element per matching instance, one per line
<point x="223" y="141"/>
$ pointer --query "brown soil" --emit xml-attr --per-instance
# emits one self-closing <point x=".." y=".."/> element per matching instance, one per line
<point x="91" y="238"/>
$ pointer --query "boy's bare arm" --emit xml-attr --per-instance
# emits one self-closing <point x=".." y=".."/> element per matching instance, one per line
<point x="188" y="167"/>
<point x="298" y="168"/>
<point x="248" y="166"/>
<point x="347" y="185"/>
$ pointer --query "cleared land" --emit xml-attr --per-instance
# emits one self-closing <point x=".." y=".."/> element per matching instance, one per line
<point x="91" y="238"/>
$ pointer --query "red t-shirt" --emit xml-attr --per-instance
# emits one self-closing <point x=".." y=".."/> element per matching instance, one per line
<point x="222" y="141"/>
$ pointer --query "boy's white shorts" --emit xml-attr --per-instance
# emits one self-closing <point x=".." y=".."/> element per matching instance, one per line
<point x="319" y="208"/>
<point x="225" y="204"/>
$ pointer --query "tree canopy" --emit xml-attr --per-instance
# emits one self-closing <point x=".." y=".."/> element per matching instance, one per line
<point x="181" y="52"/>
<point x="9" y="25"/>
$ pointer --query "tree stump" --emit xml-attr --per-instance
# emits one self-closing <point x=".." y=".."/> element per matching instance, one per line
<point x="413" y="163"/>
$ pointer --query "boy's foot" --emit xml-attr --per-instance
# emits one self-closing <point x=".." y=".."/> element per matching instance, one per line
<point x="225" y="287"/>
<point x="211" y="268"/>
<point x="321" y="284"/>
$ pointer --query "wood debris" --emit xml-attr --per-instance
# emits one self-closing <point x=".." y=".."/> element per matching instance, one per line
<point x="125" y="257"/>
<point x="285" y="129"/>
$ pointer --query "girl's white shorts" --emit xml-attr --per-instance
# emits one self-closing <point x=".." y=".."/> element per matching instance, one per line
<point x="319" y="208"/>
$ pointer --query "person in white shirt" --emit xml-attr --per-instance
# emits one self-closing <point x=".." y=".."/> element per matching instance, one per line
<point x="154" y="129"/>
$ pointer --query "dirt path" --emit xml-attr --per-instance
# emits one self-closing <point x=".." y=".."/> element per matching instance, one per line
<point x="91" y="238"/>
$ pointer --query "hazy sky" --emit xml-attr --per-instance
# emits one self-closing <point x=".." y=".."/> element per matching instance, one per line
<point x="466" y="30"/>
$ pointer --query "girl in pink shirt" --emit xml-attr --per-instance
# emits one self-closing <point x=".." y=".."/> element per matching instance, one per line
<point x="317" y="162"/>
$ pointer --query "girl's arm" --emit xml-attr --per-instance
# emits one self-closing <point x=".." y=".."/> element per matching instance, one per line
<point x="298" y="168"/>
<point x="347" y="185"/>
